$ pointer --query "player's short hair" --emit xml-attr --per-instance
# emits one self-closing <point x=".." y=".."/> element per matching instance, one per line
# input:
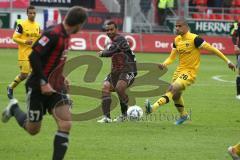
<point x="183" y="20"/>
<point x="112" y="22"/>
<point x="76" y="15"/>
<point x="30" y="7"/>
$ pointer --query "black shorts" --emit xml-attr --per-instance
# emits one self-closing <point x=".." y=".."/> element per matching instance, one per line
<point x="39" y="104"/>
<point x="113" y="78"/>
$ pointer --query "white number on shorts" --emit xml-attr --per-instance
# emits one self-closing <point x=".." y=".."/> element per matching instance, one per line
<point x="34" y="115"/>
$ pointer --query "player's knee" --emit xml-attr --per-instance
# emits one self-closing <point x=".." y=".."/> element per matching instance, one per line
<point x="120" y="88"/>
<point x="175" y="88"/>
<point x="33" y="128"/>
<point x="176" y="96"/>
<point x="23" y="76"/>
<point x="106" y="88"/>
<point x="65" y="126"/>
<point x="34" y="131"/>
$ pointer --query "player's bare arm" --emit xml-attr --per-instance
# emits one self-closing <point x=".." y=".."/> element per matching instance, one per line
<point x="47" y="89"/>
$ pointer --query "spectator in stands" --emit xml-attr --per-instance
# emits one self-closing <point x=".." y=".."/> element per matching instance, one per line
<point x="192" y="5"/>
<point x="163" y="5"/>
<point x="145" y="6"/>
<point x="170" y="6"/>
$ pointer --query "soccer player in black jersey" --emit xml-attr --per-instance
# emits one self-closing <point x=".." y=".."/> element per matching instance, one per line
<point x="122" y="74"/>
<point x="236" y="42"/>
<point x="46" y="89"/>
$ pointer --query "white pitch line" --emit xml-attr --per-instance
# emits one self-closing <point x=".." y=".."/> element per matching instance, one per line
<point x="219" y="78"/>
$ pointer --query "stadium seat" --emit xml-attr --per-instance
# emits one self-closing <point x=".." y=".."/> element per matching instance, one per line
<point x="212" y="16"/>
<point x="197" y="16"/>
<point x="201" y="9"/>
<point x="236" y="3"/>
<point x="205" y="16"/>
<point x="219" y="16"/>
<point x="237" y="11"/>
<point x="237" y="17"/>
<point x="201" y="2"/>
<point x="228" y="17"/>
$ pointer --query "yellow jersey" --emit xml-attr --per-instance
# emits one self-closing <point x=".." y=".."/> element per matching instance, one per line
<point x="189" y="54"/>
<point x="187" y="48"/>
<point x="26" y="30"/>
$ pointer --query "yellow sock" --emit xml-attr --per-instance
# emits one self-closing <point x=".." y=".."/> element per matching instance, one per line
<point x="161" y="101"/>
<point x="180" y="106"/>
<point x="237" y="148"/>
<point x="16" y="81"/>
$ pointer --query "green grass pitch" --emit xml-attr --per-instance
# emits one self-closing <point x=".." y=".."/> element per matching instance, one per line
<point x="214" y="125"/>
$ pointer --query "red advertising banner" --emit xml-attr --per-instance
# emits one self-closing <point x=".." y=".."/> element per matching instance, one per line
<point x="157" y="43"/>
<point x="81" y="41"/>
<point x="15" y="3"/>
<point x="95" y="41"/>
<point x="6" y="39"/>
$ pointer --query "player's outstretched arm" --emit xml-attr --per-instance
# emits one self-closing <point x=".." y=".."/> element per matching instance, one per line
<point x="214" y="50"/>
<point x="169" y="60"/>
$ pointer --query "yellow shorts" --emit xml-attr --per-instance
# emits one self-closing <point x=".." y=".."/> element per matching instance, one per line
<point x="24" y="66"/>
<point x="183" y="78"/>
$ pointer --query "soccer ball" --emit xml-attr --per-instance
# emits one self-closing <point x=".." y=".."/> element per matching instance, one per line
<point x="134" y="113"/>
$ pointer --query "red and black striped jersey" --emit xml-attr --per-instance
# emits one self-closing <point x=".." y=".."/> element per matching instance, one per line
<point x="49" y="52"/>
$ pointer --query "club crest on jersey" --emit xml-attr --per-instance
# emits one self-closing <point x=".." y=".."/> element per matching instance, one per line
<point x="43" y="41"/>
<point x="187" y="44"/>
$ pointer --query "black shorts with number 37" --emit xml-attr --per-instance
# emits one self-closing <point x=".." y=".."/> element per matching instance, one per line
<point x="39" y="104"/>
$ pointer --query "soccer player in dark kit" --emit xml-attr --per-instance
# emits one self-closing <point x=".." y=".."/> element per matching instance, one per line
<point x="48" y="53"/>
<point x="122" y="74"/>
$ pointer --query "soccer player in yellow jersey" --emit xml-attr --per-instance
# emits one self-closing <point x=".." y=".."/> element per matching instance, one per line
<point x="234" y="151"/>
<point x="187" y="47"/>
<point x="26" y="33"/>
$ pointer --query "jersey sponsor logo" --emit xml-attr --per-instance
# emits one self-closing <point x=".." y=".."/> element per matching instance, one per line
<point x="43" y="41"/>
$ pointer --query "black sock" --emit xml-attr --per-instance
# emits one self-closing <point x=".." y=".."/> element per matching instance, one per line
<point x="124" y="105"/>
<point x="238" y="85"/>
<point x="60" y="145"/>
<point x="19" y="115"/>
<point x="124" y="108"/>
<point x="106" y="104"/>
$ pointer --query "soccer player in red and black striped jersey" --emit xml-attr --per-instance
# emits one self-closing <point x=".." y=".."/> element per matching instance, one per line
<point x="122" y="74"/>
<point x="49" y="94"/>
